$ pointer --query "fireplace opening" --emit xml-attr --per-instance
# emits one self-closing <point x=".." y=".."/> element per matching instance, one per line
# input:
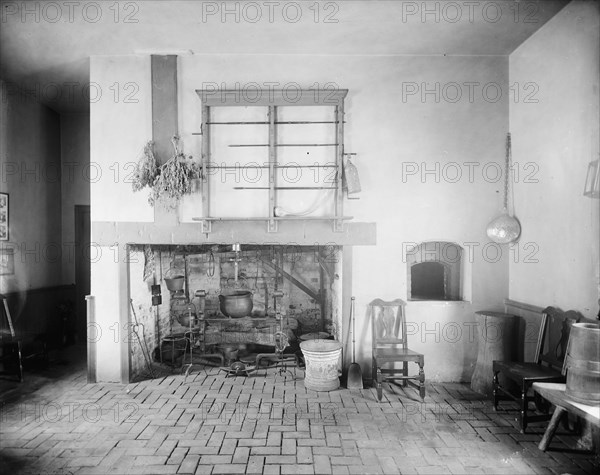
<point x="289" y="292"/>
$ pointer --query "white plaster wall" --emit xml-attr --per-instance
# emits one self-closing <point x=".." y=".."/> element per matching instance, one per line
<point x="121" y="123"/>
<point x="30" y="173"/>
<point x="389" y="134"/>
<point x="559" y="133"/>
<point x="108" y="331"/>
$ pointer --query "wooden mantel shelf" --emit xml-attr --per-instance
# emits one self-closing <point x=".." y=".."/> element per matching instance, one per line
<point x="298" y="232"/>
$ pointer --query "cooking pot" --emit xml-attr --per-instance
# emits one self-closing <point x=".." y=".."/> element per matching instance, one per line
<point x="236" y="303"/>
<point x="175" y="283"/>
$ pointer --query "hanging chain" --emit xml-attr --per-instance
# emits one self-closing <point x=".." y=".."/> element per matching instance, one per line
<point x="507" y="170"/>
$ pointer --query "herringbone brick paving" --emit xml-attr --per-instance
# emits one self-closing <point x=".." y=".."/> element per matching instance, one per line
<point x="266" y="425"/>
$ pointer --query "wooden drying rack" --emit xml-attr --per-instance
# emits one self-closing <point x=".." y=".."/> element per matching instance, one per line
<point x="273" y="99"/>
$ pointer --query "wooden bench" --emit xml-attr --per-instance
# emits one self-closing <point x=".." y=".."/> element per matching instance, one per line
<point x="555" y="393"/>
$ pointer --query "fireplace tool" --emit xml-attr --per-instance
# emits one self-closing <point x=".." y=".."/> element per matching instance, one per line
<point x="196" y="334"/>
<point x="354" y="372"/>
<point x="142" y="341"/>
<point x="237" y="368"/>
<point x="281" y="343"/>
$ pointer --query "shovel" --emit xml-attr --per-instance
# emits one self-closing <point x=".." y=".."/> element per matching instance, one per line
<point x="354" y="372"/>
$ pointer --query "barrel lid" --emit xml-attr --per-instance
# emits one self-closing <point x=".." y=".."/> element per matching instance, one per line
<point x="320" y="345"/>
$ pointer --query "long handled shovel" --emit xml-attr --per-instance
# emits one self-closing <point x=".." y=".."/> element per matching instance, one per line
<point x="354" y="372"/>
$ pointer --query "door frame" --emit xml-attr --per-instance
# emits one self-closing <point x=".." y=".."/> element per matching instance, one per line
<point x="80" y="214"/>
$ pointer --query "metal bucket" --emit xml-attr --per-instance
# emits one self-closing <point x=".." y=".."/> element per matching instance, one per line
<point x="583" y="363"/>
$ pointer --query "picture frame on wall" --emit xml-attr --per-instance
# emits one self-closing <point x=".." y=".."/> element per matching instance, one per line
<point x="4" y="217"/>
<point x="7" y="261"/>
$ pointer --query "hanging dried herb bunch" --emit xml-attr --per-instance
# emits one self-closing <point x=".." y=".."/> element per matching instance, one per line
<point x="175" y="177"/>
<point x="146" y="169"/>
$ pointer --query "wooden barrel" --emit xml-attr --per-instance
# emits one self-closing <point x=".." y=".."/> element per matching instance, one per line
<point x="583" y="363"/>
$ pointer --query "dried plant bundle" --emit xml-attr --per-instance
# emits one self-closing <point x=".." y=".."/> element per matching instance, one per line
<point x="174" y="178"/>
<point x="146" y="169"/>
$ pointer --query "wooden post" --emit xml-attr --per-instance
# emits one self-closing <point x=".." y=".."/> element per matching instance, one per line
<point x="272" y="224"/>
<point x="338" y="224"/>
<point x="164" y="121"/>
<point x="206" y="225"/>
<point x="91" y="340"/>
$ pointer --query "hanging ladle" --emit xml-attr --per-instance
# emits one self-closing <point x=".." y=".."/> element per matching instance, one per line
<point x="505" y="228"/>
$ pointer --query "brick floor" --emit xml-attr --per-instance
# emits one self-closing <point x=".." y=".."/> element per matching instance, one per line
<point x="264" y="424"/>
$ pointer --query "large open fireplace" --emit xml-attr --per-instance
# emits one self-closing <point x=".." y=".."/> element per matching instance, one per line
<point x="289" y="289"/>
<point x="302" y="273"/>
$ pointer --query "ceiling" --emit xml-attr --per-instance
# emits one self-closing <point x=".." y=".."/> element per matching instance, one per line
<point x="45" y="47"/>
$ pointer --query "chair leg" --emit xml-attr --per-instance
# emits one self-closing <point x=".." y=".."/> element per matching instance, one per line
<point x="374" y="373"/>
<point x="524" y="403"/>
<point x="379" y="387"/>
<point x="495" y="386"/>
<point x="405" y="366"/>
<point x="19" y="361"/>
<point x="421" y="380"/>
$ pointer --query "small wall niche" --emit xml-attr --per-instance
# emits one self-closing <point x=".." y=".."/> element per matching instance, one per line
<point x="435" y="271"/>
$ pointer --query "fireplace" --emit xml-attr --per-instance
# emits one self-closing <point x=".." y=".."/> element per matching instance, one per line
<point x="118" y="277"/>
<point x="297" y="287"/>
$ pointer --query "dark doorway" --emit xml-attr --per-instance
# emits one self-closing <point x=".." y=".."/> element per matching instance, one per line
<point x="427" y="281"/>
<point x="82" y="269"/>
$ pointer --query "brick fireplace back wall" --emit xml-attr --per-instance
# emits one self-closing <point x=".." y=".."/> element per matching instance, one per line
<point x="217" y="274"/>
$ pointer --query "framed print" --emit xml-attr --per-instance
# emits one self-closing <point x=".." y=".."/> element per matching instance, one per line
<point x="3" y="216"/>
<point x="7" y="261"/>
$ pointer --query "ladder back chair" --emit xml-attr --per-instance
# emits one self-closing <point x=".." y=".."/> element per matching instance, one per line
<point x="388" y="326"/>
<point x="547" y="367"/>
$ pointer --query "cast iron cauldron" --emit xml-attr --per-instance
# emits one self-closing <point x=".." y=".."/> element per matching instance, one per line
<point x="236" y="303"/>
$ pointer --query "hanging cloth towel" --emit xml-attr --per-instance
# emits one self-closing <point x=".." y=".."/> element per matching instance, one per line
<point x="350" y="180"/>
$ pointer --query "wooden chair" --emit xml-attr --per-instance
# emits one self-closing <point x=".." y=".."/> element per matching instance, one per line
<point x="547" y="366"/>
<point x="10" y="345"/>
<point x="388" y="327"/>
